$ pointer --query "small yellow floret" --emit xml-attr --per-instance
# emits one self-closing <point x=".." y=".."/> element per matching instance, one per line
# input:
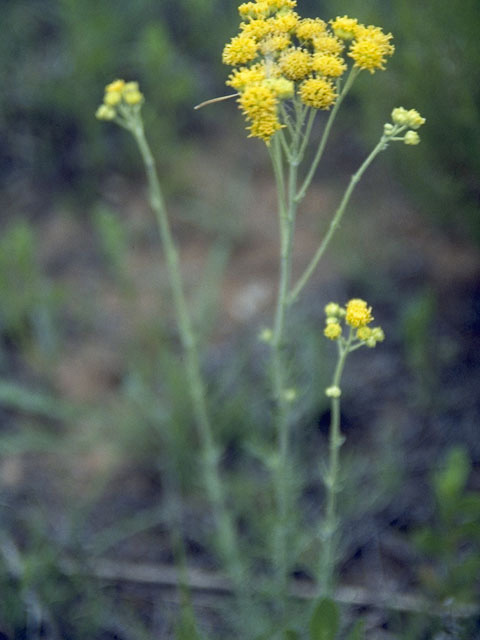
<point x="344" y="28"/>
<point x="252" y="10"/>
<point x="281" y="87"/>
<point x="318" y="93"/>
<point x="274" y="44"/>
<point x="326" y="43"/>
<point x="105" y="113"/>
<point x="400" y="116"/>
<point x="358" y="313"/>
<point x="285" y="22"/>
<point x="364" y="333"/>
<point x="239" y="50"/>
<point x="116" y="85"/>
<point x="112" y="98"/>
<point x="371" y="47"/>
<point x="328" y="65"/>
<point x="308" y="28"/>
<point x="296" y="64"/>
<point x="241" y="78"/>
<point x="333" y="331"/>
<point x="415" y="120"/>
<point x="133" y="97"/>
<point x="259" y="104"/>
<point x="256" y="28"/>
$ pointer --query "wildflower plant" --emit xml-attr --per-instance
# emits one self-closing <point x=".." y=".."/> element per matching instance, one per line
<point x="285" y="70"/>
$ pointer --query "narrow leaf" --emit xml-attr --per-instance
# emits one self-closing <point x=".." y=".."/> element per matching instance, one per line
<point x="325" y="620"/>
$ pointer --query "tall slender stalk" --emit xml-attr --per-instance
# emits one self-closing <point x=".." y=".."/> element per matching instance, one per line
<point x="330" y="525"/>
<point x="226" y="534"/>
<point x="279" y="366"/>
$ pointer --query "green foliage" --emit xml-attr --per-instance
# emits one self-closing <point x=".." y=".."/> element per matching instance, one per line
<point x="325" y="620"/>
<point x="417" y="323"/>
<point x="57" y="57"/>
<point x="452" y="541"/>
<point x="29" y="302"/>
<point x="113" y="241"/>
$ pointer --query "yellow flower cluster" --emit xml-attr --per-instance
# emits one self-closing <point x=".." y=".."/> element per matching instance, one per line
<point x="119" y="95"/>
<point x="278" y="55"/>
<point x="357" y="315"/>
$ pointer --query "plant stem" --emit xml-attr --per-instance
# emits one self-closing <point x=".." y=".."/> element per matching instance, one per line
<point x="323" y="141"/>
<point x="226" y="535"/>
<point x="335" y="222"/>
<point x="282" y="477"/>
<point x="327" y="557"/>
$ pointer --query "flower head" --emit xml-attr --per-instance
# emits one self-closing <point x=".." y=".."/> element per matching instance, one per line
<point x="344" y="28"/>
<point x="358" y="313"/>
<point x="318" y="93"/>
<point x="370" y="48"/>
<point x="259" y="104"/>
<point x="333" y="331"/>
<point x="283" y="56"/>
<point x="120" y="99"/>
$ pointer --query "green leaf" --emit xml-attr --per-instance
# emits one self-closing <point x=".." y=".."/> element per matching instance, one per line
<point x="450" y="482"/>
<point x="357" y="632"/>
<point x="325" y="620"/>
<point x="290" y="634"/>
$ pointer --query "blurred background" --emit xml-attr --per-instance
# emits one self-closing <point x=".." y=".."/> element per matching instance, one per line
<point x="92" y="390"/>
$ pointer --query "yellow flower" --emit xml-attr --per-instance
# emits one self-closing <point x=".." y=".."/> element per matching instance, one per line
<point x="370" y="49"/>
<point x="318" y="93"/>
<point x="112" y="98"/>
<point x="285" y="22"/>
<point x="239" y="50"/>
<point x="274" y="43"/>
<point x="258" y="28"/>
<point x="259" y="104"/>
<point x="105" y="113"/>
<point x="116" y="86"/>
<point x="364" y="333"/>
<point x="252" y="10"/>
<point x="295" y="63"/>
<point x="414" y="119"/>
<point x="358" y="314"/>
<point x="327" y="43"/>
<point x="244" y="76"/>
<point x="344" y="28"/>
<point x="333" y="331"/>
<point x="328" y="65"/>
<point x="281" y="87"/>
<point x="400" y="116"/>
<point x="308" y="28"/>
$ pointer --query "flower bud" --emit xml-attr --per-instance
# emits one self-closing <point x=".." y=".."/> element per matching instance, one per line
<point x="400" y="116"/>
<point x="105" y="113"/>
<point x="415" y="120"/>
<point x="332" y="309"/>
<point x="333" y="392"/>
<point x="411" y="137"/>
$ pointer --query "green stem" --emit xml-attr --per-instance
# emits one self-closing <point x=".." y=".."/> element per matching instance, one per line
<point x="282" y="477"/>
<point x="321" y="147"/>
<point x="327" y="556"/>
<point x="302" y="281"/>
<point x="226" y="534"/>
